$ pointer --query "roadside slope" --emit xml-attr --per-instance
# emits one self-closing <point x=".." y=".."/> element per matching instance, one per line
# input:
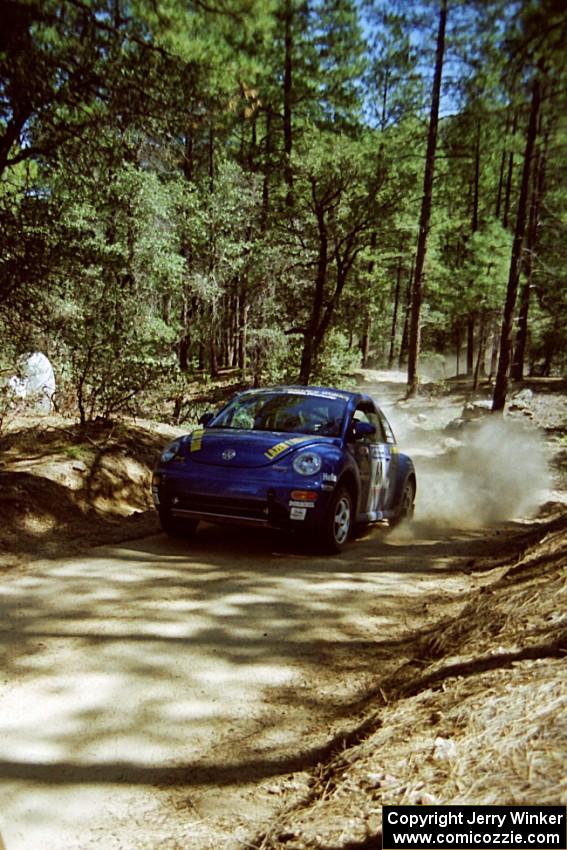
<point x="476" y="716"/>
<point x="63" y="490"/>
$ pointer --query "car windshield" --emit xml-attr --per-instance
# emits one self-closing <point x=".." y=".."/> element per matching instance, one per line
<point x="293" y="411"/>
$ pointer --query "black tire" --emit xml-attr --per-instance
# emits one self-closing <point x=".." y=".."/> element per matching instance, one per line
<point x="406" y="508"/>
<point x="175" y="527"/>
<point x="336" y="530"/>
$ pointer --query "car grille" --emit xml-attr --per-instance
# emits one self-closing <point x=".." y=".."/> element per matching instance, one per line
<point x="220" y="507"/>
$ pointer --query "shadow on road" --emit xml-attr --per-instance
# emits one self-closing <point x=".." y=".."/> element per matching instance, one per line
<point x="153" y="663"/>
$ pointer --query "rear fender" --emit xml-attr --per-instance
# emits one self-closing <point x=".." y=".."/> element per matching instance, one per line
<point x="405" y="471"/>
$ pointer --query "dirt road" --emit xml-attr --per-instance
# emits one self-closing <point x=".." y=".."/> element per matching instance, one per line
<point x="161" y="694"/>
<point x="156" y="694"/>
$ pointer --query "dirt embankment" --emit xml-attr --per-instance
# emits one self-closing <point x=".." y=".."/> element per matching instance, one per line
<point x="476" y="715"/>
<point x="63" y="490"/>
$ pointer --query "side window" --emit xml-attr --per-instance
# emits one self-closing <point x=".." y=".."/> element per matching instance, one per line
<point x="382" y="437"/>
<point x="360" y="416"/>
<point x="388" y="433"/>
<point x="364" y="413"/>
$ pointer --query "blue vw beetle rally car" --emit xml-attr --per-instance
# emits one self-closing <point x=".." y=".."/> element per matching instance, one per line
<point x="308" y="458"/>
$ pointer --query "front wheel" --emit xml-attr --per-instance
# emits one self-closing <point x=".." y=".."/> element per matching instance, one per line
<point x="337" y="527"/>
<point x="406" y="507"/>
<point x="175" y="527"/>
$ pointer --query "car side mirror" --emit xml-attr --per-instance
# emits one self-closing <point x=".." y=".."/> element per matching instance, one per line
<point x="363" y="429"/>
<point x="206" y="418"/>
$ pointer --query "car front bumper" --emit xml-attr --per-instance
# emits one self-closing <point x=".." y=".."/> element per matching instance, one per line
<point x="253" y="497"/>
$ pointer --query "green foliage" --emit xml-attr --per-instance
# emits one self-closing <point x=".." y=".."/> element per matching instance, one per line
<point x="394" y="88"/>
<point x="273" y="359"/>
<point x="341" y="63"/>
<point x="79" y="451"/>
<point x="336" y="362"/>
<point x="122" y="258"/>
<point x="238" y="185"/>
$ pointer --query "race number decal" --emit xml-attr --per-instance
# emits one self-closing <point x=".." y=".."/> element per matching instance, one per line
<point x="378" y="475"/>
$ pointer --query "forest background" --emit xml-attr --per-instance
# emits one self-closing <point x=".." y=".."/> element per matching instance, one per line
<point x="286" y="188"/>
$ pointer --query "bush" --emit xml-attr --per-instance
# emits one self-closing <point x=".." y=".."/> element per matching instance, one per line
<point x="336" y="362"/>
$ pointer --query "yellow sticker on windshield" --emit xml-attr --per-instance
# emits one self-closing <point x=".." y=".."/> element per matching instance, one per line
<point x="197" y="439"/>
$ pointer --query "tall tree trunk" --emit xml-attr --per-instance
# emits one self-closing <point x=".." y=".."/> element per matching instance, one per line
<point x="495" y="346"/>
<point x="476" y="184"/>
<point x="188" y="164"/>
<point x="186" y="309"/>
<point x="479" y="368"/>
<point x="211" y="158"/>
<point x="470" y="345"/>
<point x="501" y="173"/>
<point x="166" y="307"/>
<point x="365" y="341"/>
<point x="474" y="228"/>
<point x="310" y="343"/>
<point x="417" y="294"/>
<point x="253" y="152"/>
<point x="213" y="358"/>
<point x="506" y="213"/>
<point x="395" y="314"/>
<point x="324" y="303"/>
<point x="267" y="172"/>
<point x="551" y="345"/>
<point x="405" y="330"/>
<point x="288" y="95"/>
<point x="184" y="353"/>
<point x="183" y="348"/>
<point x="501" y="386"/>
<point x="242" y="331"/>
<point x="308" y="355"/>
<point x="367" y="321"/>
<point x="517" y="369"/>
<point x="235" y="330"/>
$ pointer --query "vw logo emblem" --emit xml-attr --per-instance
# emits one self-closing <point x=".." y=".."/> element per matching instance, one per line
<point x="228" y="454"/>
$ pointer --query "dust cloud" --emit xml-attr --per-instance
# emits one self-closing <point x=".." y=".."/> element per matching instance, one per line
<point x="499" y="471"/>
<point x="470" y="474"/>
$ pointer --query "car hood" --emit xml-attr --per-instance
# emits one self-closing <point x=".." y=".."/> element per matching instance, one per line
<point x="243" y="448"/>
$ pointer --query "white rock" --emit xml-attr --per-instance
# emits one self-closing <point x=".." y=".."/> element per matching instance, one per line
<point x="35" y="381"/>
<point x="445" y="748"/>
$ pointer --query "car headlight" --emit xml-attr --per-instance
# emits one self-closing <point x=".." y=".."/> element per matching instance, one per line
<point x="170" y="451"/>
<point x="307" y="463"/>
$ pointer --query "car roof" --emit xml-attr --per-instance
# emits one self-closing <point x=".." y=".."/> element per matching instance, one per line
<point x="301" y="389"/>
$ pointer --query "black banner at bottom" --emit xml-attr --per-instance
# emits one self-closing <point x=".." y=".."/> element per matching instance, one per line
<point x="474" y="827"/>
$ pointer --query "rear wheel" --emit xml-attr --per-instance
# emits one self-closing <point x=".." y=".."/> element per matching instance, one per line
<point x="337" y="527"/>
<point x="406" y="508"/>
<point x="176" y="527"/>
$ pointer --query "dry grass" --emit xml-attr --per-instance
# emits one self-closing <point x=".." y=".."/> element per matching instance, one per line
<point x="477" y="716"/>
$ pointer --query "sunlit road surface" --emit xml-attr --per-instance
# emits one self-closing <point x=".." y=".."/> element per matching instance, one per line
<point x="151" y="692"/>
